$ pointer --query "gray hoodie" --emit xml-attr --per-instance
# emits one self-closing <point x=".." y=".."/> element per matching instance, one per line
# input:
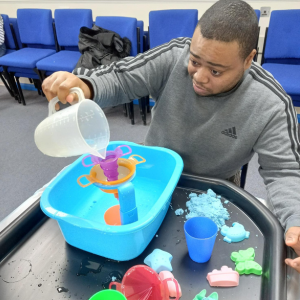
<point x="214" y="135"/>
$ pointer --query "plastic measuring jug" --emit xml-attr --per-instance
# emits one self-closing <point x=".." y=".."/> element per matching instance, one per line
<point x="143" y="283"/>
<point x="110" y="163"/>
<point x="78" y="129"/>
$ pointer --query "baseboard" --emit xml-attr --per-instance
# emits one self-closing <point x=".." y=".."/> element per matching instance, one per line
<point x="151" y="102"/>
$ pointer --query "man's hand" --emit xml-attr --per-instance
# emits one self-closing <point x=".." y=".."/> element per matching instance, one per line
<point x="60" y="83"/>
<point x="292" y="239"/>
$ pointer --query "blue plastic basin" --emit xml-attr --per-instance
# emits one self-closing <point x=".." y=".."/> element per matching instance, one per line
<point x="80" y="211"/>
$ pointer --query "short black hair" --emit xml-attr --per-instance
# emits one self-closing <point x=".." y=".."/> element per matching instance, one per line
<point x="231" y="20"/>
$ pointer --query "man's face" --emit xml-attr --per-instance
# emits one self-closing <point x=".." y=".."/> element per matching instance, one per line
<point x="215" y="67"/>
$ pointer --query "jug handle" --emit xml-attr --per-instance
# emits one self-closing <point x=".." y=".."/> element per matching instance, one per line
<point x="129" y="149"/>
<point x="176" y="286"/>
<point x="117" y="285"/>
<point x="88" y="178"/>
<point x="135" y="161"/>
<point x="51" y="105"/>
<point x="83" y="163"/>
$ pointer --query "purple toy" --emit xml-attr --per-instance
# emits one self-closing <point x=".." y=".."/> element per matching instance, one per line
<point x="110" y="164"/>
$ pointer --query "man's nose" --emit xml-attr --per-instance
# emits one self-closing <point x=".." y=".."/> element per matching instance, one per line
<point x="201" y="76"/>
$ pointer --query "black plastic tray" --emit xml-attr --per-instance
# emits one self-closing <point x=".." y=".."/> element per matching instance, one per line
<point x="37" y="263"/>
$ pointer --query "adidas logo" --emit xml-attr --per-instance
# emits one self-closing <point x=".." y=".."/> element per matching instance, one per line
<point x="231" y="132"/>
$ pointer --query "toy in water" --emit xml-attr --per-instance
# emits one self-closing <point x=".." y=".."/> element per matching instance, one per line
<point x="202" y="296"/>
<point x="80" y="211"/>
<point x="109" y="164"/>
<point x="226" y="277"/>
<point x="243" y="255"/>
<point x="75" y="130"/>
<point x="143" y="283"/>
<point x="123" y="189"/>
<point x="236" y="233"/>
<point x="159" y="260"/>
<point x="244" y="261"/>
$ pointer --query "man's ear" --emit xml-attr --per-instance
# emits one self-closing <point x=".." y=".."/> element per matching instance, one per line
<point x="249" y="59"/>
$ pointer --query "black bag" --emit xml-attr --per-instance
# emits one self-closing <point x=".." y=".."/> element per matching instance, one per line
<point x="101" y="47"/>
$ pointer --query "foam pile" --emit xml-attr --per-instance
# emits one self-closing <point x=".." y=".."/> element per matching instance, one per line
<point x="207" y="205"/>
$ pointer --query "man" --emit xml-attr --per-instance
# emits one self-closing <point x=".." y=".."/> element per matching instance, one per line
<point x="214" y="106"/>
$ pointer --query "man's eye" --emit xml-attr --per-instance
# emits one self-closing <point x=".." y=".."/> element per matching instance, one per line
<point x="194" y="63"/>
<point x="215" y="73"/>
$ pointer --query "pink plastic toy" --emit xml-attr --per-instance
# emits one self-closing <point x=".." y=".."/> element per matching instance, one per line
<point x="225" y="277"/>
<point x="143" y="283"/>
<point x="171" y="284"/>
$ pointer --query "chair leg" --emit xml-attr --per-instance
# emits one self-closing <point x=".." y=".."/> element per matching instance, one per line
<point x="11" y="81"/>
<point x="36" y="85"/>
<point x="142" y="105"/>
<point x="42" y="76"/>
<point x="148" y="104"/>
<point x="244" y="175"/>
<point x="20" y="91"/>
<point x="125" y="110"/>
<point x="6" y="85"/>
<point x="131" y="112"/>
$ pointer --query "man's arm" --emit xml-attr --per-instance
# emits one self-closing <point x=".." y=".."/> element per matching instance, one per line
<point x="278" y="148"/>
<point x="279" y="158"/>
<point x="133" y="77"/>
<point x="122" y="81"/>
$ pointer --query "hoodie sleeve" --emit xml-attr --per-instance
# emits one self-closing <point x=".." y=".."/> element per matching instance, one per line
<point x="134" y="77"/>
<point x="278" y="149"/>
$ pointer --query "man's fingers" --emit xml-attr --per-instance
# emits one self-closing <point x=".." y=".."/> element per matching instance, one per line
<point x="72" y="98"/>
<point x="292" y="237"/>
<point x="60" y="83"/>
<point x="63" y="90"/>
<point x="294" y="263"/>
<point x="47" y="83"/>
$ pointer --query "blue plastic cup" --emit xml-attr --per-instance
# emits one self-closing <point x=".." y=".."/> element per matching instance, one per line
<point x="200" y="234"/>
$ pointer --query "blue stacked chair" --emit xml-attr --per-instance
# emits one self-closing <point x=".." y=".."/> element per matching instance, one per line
<point x="125" y="27"/>
<point x="144" y="101"/>
<point x="140" y="26"/>
<point x="67" y="24"/>
<point x="36" y="34"/>
<point x="257" y="11"/>
<point x="11" y="46"/>
<point x="13" y="22"/>
<point x="281" y="55"/>
<point x="10" y="35"/>
<point x="165" y="25"/>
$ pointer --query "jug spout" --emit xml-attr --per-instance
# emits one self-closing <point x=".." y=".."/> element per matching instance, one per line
<point x="100" y="153"/>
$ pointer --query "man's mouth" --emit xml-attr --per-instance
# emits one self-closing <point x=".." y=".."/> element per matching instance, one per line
<point x="199" y="88"/>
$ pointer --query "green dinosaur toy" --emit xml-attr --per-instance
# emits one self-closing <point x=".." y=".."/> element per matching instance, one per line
<point x="202" y="296"/>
